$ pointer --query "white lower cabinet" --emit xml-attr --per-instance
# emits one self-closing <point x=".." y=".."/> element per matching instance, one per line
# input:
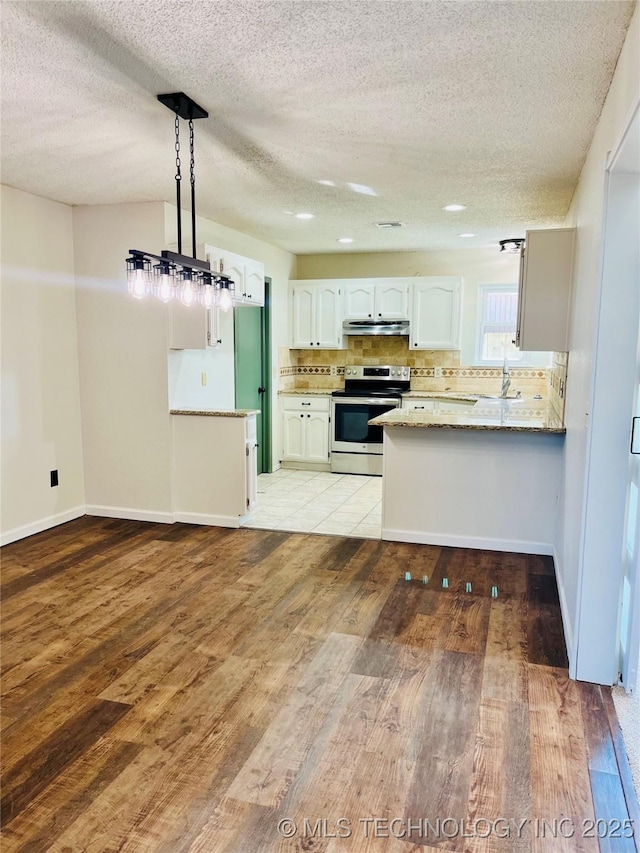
<point x="305" y="429"/>
<point x="441" y="405"/>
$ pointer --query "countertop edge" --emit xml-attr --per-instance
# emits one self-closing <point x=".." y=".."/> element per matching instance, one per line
<point x="216" y="413"/>
<point x="548" y="430"/>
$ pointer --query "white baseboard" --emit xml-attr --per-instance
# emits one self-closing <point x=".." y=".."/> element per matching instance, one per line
<point x="517" y="546"/>
<point x="566" y="622"/>
<point x="208" y="520"/>
<point x="130" y="514"/>
<point x="40" y="525"/>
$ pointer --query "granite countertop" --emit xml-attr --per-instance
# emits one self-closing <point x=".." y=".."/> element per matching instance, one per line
<point x="463" y="396"/>
<point x="306" y="392"/>
<point x="216" y="413"/>
<point x="505" y="418"/>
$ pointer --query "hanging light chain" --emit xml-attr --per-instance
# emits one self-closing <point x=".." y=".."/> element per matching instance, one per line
<point x="178" y="163"/>
<point x="192" y="164"/>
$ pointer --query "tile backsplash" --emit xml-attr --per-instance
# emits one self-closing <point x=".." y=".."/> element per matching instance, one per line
<point x="324" y="369"/>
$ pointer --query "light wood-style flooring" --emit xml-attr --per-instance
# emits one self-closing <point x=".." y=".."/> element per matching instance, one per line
<point x="181" y="688"/>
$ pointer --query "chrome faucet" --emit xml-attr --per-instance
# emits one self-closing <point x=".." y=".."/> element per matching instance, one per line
<point x="506" y="380"/>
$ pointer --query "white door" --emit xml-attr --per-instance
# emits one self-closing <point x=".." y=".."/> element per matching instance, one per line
<point x="435" y="316"/>
<point x="317" y="436"/>
<point x="359" y="301"/>
<point x="328" y="316"/>
<point x="630" y="612"/>
<point x="392" y="301"/>
<point x="302" y="316"/>
<point x="293" y="432"/>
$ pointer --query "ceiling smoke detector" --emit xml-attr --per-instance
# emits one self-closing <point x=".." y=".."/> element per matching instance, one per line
<point x="389" y="224"/>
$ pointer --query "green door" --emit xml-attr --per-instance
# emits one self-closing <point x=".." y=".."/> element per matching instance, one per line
<point x="249" y="368"/>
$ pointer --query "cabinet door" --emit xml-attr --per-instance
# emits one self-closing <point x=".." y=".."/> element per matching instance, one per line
<point x="293" y="433"/>
<point x="359" y="301"/>
<point x="328" y="316"/>
<point x="391" y="301"/>
<point x="316" y="425"/>
<point x="545" y="285"/>
<point x="188" y="326"/>
<point x="214" y="338"/>
<point x="435" y="315"/>
<point x="233" y="266"/>
<point x="254" y="282"/>
<point x="303" y="316"/>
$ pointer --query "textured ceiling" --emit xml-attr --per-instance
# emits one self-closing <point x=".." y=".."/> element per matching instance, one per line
<point x="492" y="104"/>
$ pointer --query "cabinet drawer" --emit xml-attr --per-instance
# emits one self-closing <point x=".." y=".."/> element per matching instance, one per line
<point x="306" y="404"/>
<point x="418" y="404"/>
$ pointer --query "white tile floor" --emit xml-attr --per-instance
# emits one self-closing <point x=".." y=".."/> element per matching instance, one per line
<point x="306" y="501"/>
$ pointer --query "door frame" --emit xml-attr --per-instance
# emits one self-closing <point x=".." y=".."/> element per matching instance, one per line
<point x="266" y="437"/>
<point x="606" y="476"/>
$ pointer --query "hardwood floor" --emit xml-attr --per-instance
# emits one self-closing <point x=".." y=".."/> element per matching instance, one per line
<point x="189" y="689"/>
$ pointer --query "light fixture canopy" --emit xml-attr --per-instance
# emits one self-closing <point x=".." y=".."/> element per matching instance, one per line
<point x="178" y="276"/>
<point x="512" y="245"/>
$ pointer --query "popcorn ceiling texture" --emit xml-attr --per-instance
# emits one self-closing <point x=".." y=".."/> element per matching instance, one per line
<point x="492" y="104"/>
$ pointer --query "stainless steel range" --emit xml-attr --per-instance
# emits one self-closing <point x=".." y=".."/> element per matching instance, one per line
<point x="356" y="447"/>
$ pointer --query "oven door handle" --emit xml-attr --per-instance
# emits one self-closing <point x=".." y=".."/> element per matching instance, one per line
<point x="367" y="401"/>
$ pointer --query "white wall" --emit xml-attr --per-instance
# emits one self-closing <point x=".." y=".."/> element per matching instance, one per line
<point x="586" y="214"/>
<point x="476" y="266"/>
<point x="279" y="266"/>
<point x="123" y="346"/>
<point x="40" y="389"/>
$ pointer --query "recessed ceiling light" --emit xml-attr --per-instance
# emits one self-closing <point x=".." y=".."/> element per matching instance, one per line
<point x="345" y="240"/>
<point x="305" y="215"/>
<point x="362" y="189"/>
<point x="453" y="208"/>
<point x="466" y="235"/>
<point x="327" y="183"/>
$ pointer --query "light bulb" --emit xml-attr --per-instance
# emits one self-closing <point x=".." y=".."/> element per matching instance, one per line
<point x="187" y="293"/>
<point x="225" y="299"/>
<point x="164" y="288"/>
<point x="137" y="281"/>
<point x="206" y="295"/>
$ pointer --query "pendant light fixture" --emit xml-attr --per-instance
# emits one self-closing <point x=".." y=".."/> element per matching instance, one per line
<point x="172" y="275"/>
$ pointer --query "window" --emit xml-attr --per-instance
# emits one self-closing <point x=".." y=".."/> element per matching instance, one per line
<point x="497" y="317"/>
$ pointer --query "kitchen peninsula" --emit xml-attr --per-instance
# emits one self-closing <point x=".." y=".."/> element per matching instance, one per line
<point x="486" y="478"/>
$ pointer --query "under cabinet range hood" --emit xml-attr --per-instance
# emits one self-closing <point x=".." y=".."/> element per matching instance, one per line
<point x="375" y="327"/>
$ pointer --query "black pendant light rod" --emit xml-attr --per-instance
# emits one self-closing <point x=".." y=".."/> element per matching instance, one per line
<point x="192" y="166"/>
<point x="184" y="107"/>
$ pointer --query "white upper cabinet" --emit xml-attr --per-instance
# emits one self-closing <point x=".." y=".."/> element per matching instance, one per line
<point x="188" y="326"/>
<point x="247" y="274"/>
<point x="391" y="300"/>
<point x="546" y="264"/>
<point x="376" y="300"/>
<point x="316" y="315"/>
<point x="435" y="313"/>
<point x="359" y="300"/>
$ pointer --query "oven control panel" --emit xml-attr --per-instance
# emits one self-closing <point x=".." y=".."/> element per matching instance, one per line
<point x="378" y="373"/>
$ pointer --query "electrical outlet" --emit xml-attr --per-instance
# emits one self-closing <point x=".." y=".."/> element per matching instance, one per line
<point x="203" y="378"/>
<point x="333" y="370"/>
<point x="54" y="478"/>
<point x="437" y="372"/>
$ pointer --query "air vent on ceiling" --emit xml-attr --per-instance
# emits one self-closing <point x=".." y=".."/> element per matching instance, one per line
<point x="389" y="224"/>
